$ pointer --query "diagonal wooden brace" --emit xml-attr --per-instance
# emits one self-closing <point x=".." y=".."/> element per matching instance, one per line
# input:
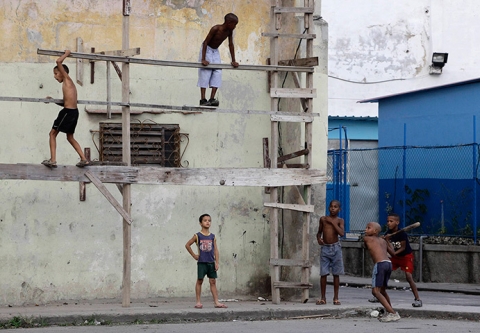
<point x="103" y="189"/>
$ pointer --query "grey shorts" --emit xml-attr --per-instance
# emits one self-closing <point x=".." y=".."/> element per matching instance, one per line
<point x="331" y="259"/>
<point x="208" y="78"/>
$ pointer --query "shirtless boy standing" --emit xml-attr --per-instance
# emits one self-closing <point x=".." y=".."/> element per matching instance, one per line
<point x="66" y="121"/>
<point x="379" y="249"/>
<point x="330" y="228"/>
<point x="209" y="54"/>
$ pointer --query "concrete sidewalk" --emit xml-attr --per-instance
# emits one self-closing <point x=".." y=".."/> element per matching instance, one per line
<point x="354" y="295"/>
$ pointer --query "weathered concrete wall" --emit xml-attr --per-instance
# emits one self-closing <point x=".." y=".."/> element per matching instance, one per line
<point x="55" y="247"/>
<point x="441" y="263"/>
<point x="379" y="48"/>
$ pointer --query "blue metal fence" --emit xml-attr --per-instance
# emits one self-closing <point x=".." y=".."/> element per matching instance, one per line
<point x="436" y="186"/>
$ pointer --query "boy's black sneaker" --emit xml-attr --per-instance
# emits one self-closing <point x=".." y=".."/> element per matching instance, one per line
<point x="213" y="102"/>
<point x="203" y="102"/>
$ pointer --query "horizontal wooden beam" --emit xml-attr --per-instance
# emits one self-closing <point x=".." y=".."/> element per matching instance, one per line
<point x="290" y="262"/>
<point x="134" y="111"/>
<point x="295" y="207"/>
<point x="261" y="177"/>
<point x="172" y="108"/>
<point x="94" y="56"/>
<point x="122" y="53"/>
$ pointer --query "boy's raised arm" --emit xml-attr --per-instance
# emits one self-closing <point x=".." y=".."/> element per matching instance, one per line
<point x="60" y="61"/>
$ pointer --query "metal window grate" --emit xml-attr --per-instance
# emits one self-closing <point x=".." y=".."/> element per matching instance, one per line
<point x="150" y="143"/>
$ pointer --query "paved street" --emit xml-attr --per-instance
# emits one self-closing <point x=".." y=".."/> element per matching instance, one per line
<point x="357" y="325"/>
<point x="442" y="309"/>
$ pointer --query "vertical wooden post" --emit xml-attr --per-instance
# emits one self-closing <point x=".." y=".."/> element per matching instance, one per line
<point x="109" y="92"/>
<point x="274" y="270"/>
<point x="308" y="145"/>
<point x="92" y="68"/>
<point x="79" y="62"/>
<point x="127" y="230"/>
<point x="83" y="186"/>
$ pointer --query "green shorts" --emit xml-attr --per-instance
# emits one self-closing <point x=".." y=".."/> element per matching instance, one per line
<point x="206" y="268"/>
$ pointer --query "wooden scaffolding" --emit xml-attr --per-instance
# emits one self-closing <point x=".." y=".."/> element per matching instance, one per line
<point x="273" y="177"/>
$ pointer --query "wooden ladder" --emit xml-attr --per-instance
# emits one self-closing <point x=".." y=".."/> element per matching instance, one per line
<point x="306" y="96"/>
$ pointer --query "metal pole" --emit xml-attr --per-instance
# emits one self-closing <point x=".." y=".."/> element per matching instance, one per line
<point x="420" y="273"/>
<point x="340" y="168"/>
<point x="404" y="208"/>
<point x="345" y="184"/>
<point x="474" y="162"/>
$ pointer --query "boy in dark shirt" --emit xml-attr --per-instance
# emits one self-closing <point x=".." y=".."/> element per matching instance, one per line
<point x="207" y="259"/>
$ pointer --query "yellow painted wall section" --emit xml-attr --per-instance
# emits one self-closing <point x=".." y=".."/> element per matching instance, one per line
<point x="167" y="30"/>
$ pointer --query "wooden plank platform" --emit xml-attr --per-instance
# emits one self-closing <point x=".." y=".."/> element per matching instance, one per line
<point x="253" y="177"/>
<point x="99" y="57"/>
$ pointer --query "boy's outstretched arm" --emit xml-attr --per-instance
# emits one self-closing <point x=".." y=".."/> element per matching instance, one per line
<point x="188" y="246"/>
<point x="232" y="50"/>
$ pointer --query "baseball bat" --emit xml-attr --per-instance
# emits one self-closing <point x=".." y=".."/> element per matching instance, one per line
<point x="407" y="228"/>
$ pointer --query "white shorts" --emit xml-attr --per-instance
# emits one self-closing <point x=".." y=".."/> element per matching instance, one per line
<point x="208" y="78"/>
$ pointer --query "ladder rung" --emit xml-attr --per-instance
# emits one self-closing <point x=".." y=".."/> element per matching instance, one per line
<point x="293" y="155"/>
<point x="302" y="36"/>
<point x="293" y="119"/>
<point x="295" y="207"/>
<point x="293" y="92"/>
<point x="284" y="284"/>
<point x="294" y="165"/>
<point x="307" y="62"/>
<point x="290" y="262"/>
<point x="306" y="10"/>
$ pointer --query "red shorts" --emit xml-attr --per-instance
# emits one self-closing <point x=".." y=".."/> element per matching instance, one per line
<point x="405" y="263"/>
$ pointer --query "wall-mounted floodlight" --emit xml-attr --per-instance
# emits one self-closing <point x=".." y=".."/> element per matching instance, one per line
<point x="438" y="61"/>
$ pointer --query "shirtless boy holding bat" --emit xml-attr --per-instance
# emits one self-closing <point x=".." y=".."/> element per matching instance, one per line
<point x="379" y="249"/>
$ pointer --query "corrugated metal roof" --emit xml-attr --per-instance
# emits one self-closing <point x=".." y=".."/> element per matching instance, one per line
<point x="376" y="99"/>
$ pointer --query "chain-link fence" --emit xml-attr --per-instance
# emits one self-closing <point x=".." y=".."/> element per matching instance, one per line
<point x="436" y="186"/>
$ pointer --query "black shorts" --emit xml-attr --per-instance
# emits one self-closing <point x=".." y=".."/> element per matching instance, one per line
<point x="66" y="121"/>
<point x="206" y="268"/>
